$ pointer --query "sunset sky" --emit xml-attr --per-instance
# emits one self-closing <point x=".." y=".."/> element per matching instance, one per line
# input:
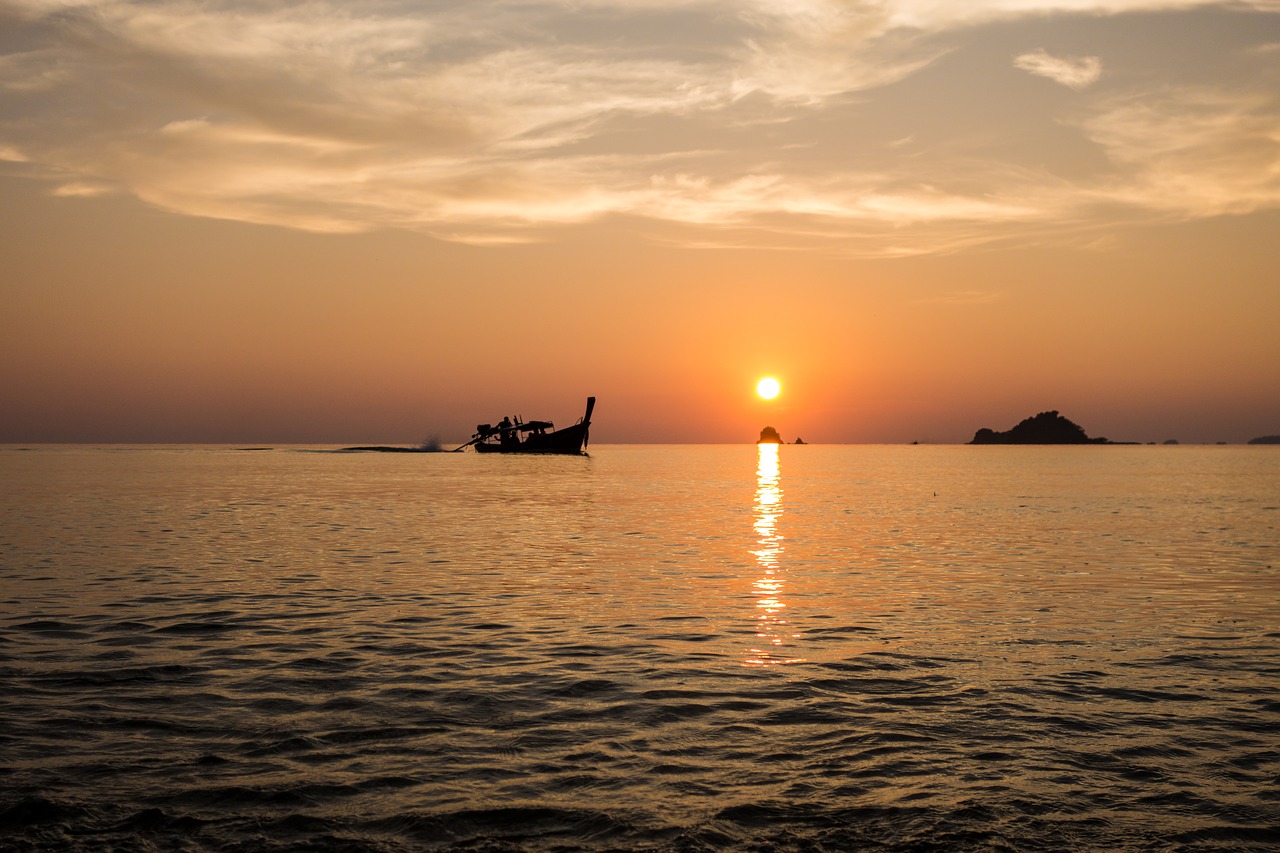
<point x="380" y="221"/>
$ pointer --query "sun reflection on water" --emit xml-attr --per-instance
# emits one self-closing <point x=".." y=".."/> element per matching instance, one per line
<point x="772" y="631"/>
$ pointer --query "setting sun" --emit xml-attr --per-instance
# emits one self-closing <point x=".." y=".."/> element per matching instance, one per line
<point x="768" y="388"/>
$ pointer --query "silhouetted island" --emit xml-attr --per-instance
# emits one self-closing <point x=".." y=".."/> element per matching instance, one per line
<point x="1265" y="439"/>
<point x="1044" y="428"/>
<point x="769" y="435"/>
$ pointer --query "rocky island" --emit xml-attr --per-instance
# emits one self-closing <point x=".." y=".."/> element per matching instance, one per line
<point x="769" y="435"/>
<point x="1044" y="428"/>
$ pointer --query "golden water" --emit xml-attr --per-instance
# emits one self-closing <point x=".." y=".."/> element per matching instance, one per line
<point x="653" y="647"/>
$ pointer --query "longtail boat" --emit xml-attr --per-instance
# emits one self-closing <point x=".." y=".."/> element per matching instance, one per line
<point x="520" y="436"/>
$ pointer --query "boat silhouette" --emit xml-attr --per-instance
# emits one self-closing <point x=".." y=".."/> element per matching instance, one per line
<point x="519" y="436"/>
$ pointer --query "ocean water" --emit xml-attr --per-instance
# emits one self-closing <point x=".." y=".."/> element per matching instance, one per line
<point x="651" y="648"/>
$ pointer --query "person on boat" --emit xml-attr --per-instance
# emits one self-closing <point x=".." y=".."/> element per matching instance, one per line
<point x="507" y="436"/>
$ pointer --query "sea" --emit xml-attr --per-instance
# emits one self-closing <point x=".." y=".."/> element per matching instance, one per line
<point x="684" y="648"/>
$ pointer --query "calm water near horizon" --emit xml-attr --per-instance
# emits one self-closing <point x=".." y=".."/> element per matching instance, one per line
<point x="653" y="647"/>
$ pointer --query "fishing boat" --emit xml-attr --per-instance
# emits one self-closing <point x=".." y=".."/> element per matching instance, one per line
<point x="520" y="436"/>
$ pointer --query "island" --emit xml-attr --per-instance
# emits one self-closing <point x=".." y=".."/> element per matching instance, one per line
<point x="1265" y="439"/>
<point x="769" y="435"/>
<point x="1044" y="428"/>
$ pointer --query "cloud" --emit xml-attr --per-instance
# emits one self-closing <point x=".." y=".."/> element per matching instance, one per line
<point x="1192" y="151"/>
<point x="1073" y="72"/>
<point x="811" y="50"/>
<point x="787" y="125"/>
<point x="30" y="72"/>
<point x="932" y="14"/>
<point x="80" y="190"/>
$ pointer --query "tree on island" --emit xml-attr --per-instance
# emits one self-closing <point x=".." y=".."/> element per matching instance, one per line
<point x="1044" y="428"/>
<point x="769" y="435"/>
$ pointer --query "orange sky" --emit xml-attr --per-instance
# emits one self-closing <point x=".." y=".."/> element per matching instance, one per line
<point x="323" y="223"/>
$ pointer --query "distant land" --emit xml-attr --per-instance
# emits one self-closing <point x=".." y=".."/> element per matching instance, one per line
<point x="769" y="435"/>
<point x="1044" y="428"/>
<point x="1265" y="439"/>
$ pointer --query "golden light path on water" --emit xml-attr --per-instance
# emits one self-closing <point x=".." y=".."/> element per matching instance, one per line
<point x="772" y="630"/>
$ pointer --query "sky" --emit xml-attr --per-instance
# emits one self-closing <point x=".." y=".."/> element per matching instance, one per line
<point x="381" y="222"/>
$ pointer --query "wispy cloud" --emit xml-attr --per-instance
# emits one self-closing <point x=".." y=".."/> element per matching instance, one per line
<point x="1198" y="150"/>
<point x="80" y="190"/>
<point x="1073" y="72"/>
<point x="799" y="124"/>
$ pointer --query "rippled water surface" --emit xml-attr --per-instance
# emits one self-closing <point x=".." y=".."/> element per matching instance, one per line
<point x="667" y="648"/>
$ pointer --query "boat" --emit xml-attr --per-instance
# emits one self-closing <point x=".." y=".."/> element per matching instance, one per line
<point x="520" y="436"/>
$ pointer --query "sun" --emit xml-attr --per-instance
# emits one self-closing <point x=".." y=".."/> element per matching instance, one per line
<point x="768" y="388"/>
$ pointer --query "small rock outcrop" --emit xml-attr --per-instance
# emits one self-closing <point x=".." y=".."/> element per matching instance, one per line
<point x="1044" y="428"/>
<point x="769" y="435"/>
